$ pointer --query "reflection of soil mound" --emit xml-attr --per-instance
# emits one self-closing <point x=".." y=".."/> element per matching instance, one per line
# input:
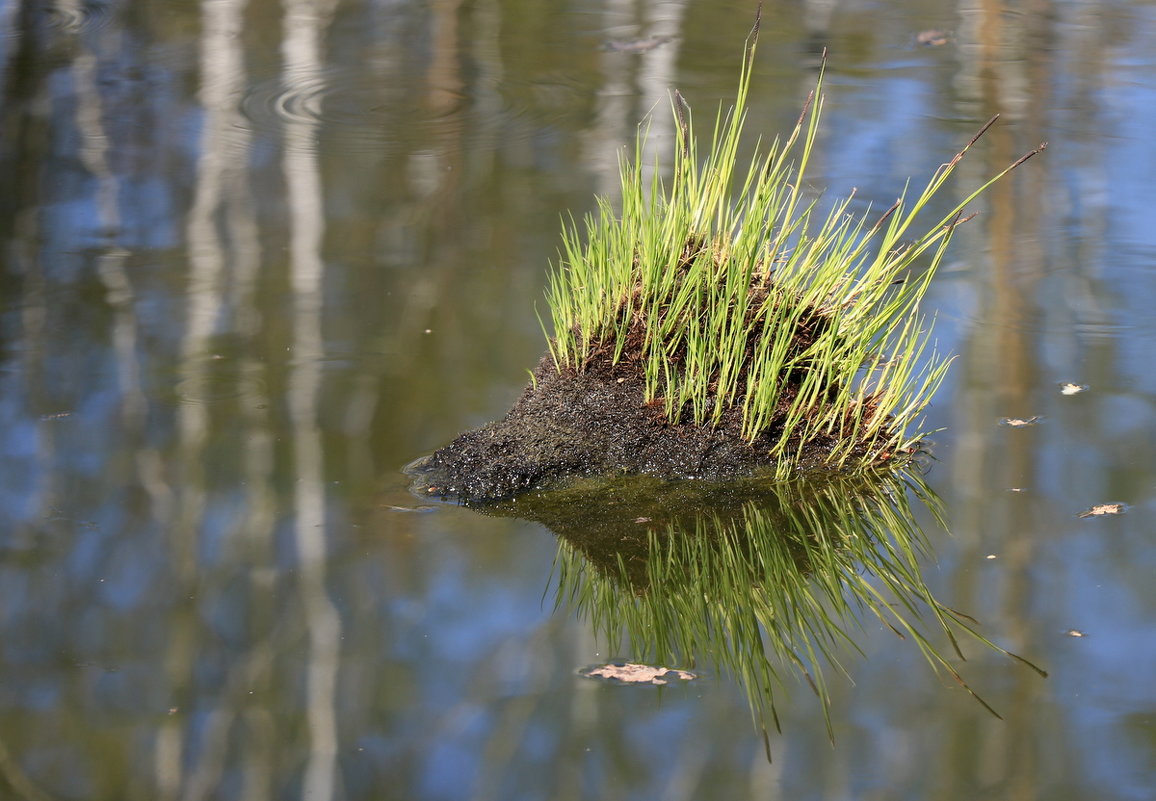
<point x="614" y="521"/>
<point x="589" y="423"/>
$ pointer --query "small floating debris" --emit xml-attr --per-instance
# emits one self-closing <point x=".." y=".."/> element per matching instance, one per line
<point x="991" y="556"/>
<point x="1075" y="633"/>
<point x="641" y="45"/>
<point x="932" y="38"/>
<point x="631" y="673"/>
<point x="1019" y="422"/>
<point x="1017" y="489"/>
<point x="1104" y="509"/>
<point x="1072" y="389"/>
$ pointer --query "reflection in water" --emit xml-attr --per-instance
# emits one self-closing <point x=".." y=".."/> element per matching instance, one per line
<point x="305" y="23"/>
<point x="766" y="581"/>
<point x="627" y="95"/>
<point x="75" y="16"/>
<point x="241" y="283"/>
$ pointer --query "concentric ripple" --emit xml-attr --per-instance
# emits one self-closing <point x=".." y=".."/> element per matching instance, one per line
<point x="355" y="111"/>
<point x="547" y="98"/>
<point x="77" y="17"/>
<point x="212" y="378"/>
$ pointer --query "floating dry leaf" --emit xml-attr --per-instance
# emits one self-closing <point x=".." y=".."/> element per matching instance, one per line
<point x="1075" y="633"/>
<point x="631" y="673"/>
<point x="1017" y="422"/>
<point x="932" y="38"/>
<point x="1104" y="509"/>
<point x="1072" y="389"/>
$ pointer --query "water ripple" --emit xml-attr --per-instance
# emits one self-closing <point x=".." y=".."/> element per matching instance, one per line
<point x="212" y="378"/>
<point x="76" y="18"/>
<point x="548" y="98"/>
<point x="355" y="110"/>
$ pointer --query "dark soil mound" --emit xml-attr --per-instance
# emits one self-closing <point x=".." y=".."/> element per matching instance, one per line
<point x="589" y="423"/>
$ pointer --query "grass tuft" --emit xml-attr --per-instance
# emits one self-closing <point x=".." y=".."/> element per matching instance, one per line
<point x="728" y="288"/>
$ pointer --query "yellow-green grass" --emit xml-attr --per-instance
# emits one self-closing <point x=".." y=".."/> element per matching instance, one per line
<point x="728" y="288"/>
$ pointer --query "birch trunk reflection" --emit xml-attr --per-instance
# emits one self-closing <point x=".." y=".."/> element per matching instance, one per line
<point x="633" y="86"/>
<point x="305" y="23"/>
<point x="204" y="301"/>
<point x="224" y="263"/>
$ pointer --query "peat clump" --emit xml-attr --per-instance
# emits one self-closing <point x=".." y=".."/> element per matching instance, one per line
<point x="715" y="320"/>
<point x="598" y="421"/>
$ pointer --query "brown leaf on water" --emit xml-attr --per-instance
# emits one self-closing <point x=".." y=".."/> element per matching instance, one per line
<point x="1019" y="422"/>
<point x="631" y="673"/>
<point x="1075" y="633"/>
<point x="1072" y="389"/>
<point x="1104" y="509"/>
<point x="932" y="38"/>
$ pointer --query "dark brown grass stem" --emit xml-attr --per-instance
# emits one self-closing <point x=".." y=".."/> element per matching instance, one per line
<point x="1040" y="149"/>
<point x="684" y="129"/>
<point x="753" y="36"/>
<point x="958" y="156"/>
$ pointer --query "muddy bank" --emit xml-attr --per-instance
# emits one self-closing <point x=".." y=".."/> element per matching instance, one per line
<point x="592" y="422"/>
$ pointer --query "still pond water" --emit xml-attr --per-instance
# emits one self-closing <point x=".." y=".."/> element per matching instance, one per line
<point x="257" y="256"/>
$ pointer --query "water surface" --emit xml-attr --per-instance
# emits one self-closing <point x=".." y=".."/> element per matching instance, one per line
<point x="258" y="256"/>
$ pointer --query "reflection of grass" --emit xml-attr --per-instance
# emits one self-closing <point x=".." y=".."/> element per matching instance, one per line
<point x="729" y="289"/>
<point x="776" y="587"/>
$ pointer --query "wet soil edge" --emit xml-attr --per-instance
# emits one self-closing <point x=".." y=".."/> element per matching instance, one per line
<point x="593" y="422"/>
